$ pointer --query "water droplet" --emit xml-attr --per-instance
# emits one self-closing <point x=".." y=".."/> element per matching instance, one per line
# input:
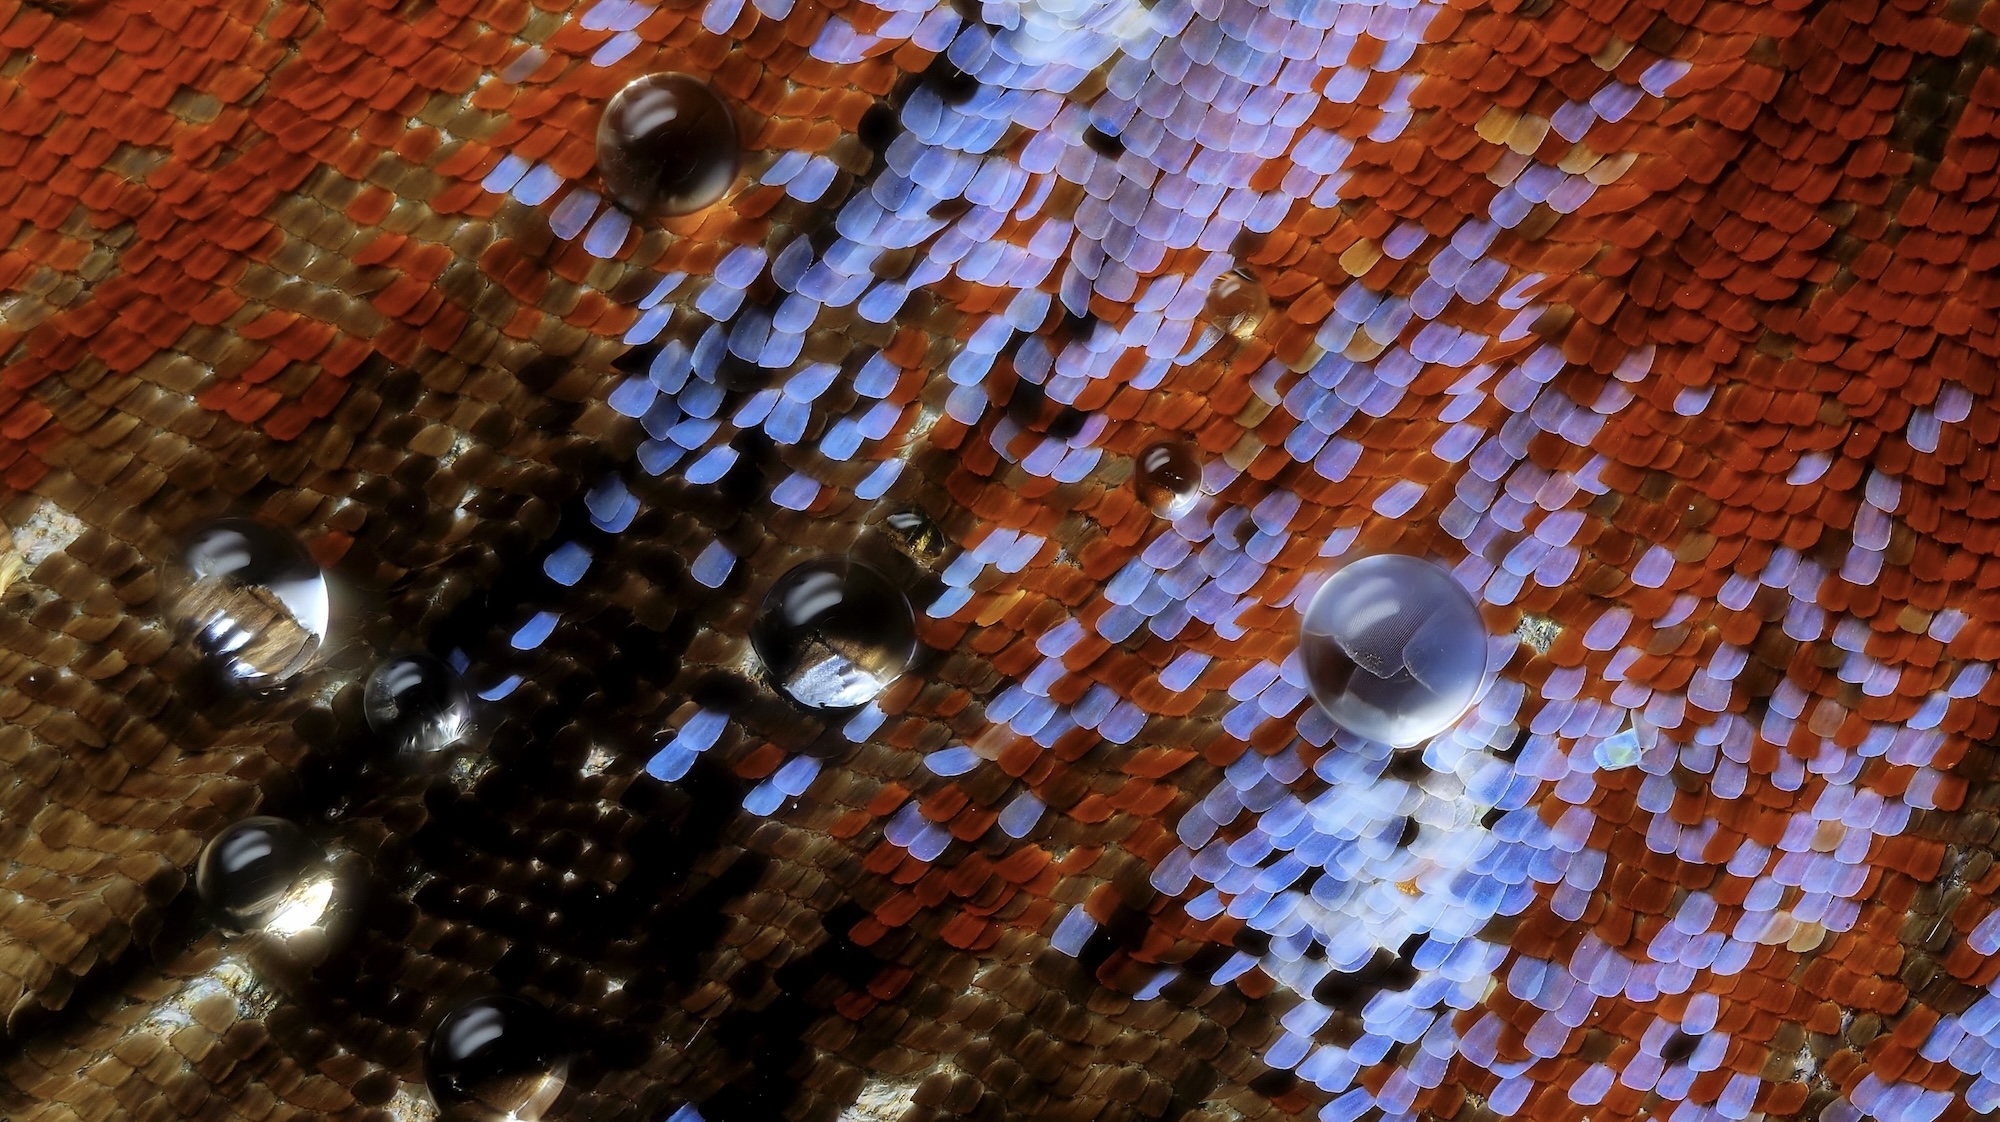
<point x="253" y="872"/>
<point x="667" y="145"/>
<point x="833" y="633"/>
<point x="1394" y="649"/>
<point x="496" y="1057"/>
<point x="257" y="606"/>
<point x="1168" y="478"/>
<point x="915" y="534"/>
<point x="417" y="703"/>
<point x="1237" y="303"/>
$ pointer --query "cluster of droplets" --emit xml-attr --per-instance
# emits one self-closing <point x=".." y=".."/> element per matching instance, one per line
<point x="1393" y="648"/>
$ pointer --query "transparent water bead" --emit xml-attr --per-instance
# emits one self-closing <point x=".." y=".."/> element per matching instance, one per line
<point x="1394" y="649"/>
<point x="417" y="703"/>
<point x="833" y="633"/>
<point x="257" y="605"/>
<point x="1236" y="304"/>
<point x="667" y="145"/>
<point x="264" y="873"/>
<point x="1167" y="477"/>
<point x="496" y="1058"/>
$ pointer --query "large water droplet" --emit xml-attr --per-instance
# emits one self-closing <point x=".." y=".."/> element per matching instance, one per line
<point x="257" y="605"/>
<point x="417" y="703"/>
<point x="259" y="873"/>
<point x="667" y="145"/>
<point x="1394" y="649"/>
<point x="494" y="1058"/>
<point x="1168" y="479"/>
<point x="834" y="633"/>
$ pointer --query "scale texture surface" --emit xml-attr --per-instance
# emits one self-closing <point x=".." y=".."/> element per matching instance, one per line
<point x="1666" y="328"/>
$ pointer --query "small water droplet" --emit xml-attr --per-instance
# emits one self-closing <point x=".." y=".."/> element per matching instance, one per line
<point x="494" y="1058"/>
<point x="1237" y="303"/>
<point x="417" y="703"/>
<point x="257" y="606"/>
<point x="1168" y="478"/>
<point x="667" y="145"/>
<point x="248" y="872"/>
<point x="915" y="534"/>
<point x="833" y="633"/>
<point x="1394" y="649"/>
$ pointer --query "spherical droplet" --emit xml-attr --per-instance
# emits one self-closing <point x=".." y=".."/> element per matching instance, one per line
<point x="915" y="534"/>
<point x="494" y="1058"/>
<point x="417" y="703"/>
<point x="1394" y="649"/>
<point x="833" y="633"/>
<point x="1168" y="478"/>
<point x="1237" y="304"/>
<point x="259" y="873"/>
<point x="667" y="145"/>
<point x="257" y="605"/>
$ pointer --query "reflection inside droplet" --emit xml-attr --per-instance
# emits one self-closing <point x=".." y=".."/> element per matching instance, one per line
<point x="417" y="703"/>
<point x="496" y="1058"/>
<point x="257" y="606"/>
<point x="261" y="873"/>
<point x="833" y="633"/>
<point x="667" y="145"/>
<point x="1168" y="478"/>
<point x="1394" y="649"/>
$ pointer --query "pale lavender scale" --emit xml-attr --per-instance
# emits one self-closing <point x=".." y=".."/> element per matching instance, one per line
<point x="1183" y="124"/>
<point x="711" y="466"/>
<point x="661" y="419"/>
<point x="1509" y="207"/>
<point x="1215" y="88"/>
<point x="693" y="432"/>
<point x="1923" y="429"/>
<point x="1614" y="101"/>
<point x="1435" y="293"/>
<point x="616" y="48"/>
<point x="1571" y="194"/>
<point x="1954" y="403"/>
<point x="1174" y="153"/>
<point x="573" y="213"/>
<point x="505" y="174"/>
<point x="1573" y="120"/>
